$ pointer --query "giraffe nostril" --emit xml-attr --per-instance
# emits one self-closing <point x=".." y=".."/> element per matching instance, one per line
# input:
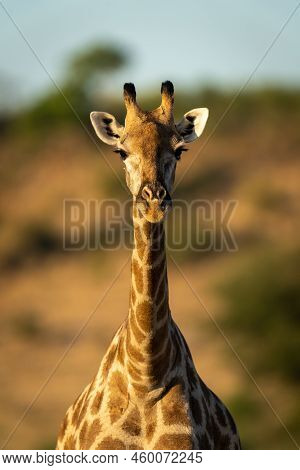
<point x="147" y="193"/>
<point x="161" y="194"/>
<point x="153" y="192"/>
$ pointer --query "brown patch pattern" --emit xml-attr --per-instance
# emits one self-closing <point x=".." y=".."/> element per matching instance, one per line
<point x="77" y="408"/>
<point x="144" y="315"/>
<point x="109" y="360"/>
<point x="174" y="407"/>
<point x="138" y="334"/>
<point x="93" y="431"/>
<point x="139" y="242"/>
<point x="63" y="427"/>
<point x="133" y="372"/>
<point x="132" y="424"/>
<point x="95" y="408"/>
<point x="82" y="435"/>
<point x="174" y="442"/>
<point x="138" y="275"/>
<point x="150" y="418"/>
<point x="118" y="396"/>
<point x="70" y="443"/>
<point x="133" y="353"/>
<point x="159" y="340"/>
<point x="108" y="443"/>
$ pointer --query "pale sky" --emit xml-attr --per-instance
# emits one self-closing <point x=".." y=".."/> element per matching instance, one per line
<point x="195" y="41"/>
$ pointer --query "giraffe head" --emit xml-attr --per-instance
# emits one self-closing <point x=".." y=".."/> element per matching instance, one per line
<point x="150" y="144"/>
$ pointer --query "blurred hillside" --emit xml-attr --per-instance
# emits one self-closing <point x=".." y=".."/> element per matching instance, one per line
<point x="47" y="155"/>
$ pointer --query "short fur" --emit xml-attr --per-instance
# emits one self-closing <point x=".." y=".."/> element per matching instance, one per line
<point x="147" y="393"/>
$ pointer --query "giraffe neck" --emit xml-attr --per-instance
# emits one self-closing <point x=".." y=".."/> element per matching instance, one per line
<point x="149" y="342"/>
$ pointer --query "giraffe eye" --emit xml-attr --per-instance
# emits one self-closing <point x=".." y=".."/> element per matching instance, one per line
<point x="122" y="153"/>
<point x="179" y="151"/>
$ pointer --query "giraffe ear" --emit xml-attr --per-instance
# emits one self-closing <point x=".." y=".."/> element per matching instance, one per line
<point x="106" y="127"/>
<point x="192" y="124"/>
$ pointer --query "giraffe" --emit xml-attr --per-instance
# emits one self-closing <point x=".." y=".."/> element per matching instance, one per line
<point x="147" y="393"/>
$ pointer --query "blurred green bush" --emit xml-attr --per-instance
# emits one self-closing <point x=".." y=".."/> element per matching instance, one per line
<point x="77" y="93"/>
<point x="81" y="90"/>
<point x="263" y="307"/>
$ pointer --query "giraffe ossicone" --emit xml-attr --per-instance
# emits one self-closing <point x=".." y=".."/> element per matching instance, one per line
<point x="147" y="393"/>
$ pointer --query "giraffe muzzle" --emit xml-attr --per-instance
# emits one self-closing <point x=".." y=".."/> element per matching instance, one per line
<point x="151" y="192"/>
<point x="154" y="201"/>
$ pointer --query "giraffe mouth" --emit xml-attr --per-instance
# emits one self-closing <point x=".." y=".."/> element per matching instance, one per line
<point x="154" y="211"/>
